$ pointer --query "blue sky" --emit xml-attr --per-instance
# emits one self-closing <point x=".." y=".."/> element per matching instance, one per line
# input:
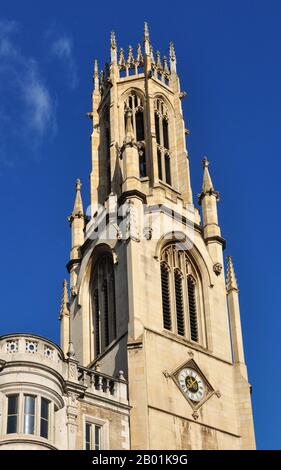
<point x="229" y="61"/>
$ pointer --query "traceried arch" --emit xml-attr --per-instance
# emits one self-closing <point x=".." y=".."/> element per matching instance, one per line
<point x="162" y="138"/>
<point x="180" y="287"/>
<point x="103" y="303"/>
<point x="134" y="102"/>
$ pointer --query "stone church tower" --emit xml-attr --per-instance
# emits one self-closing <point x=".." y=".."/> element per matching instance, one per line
<point x="148" y="289"/>
<point x="151" y="352"/>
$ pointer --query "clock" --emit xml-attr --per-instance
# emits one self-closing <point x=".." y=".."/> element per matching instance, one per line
<point x="192" y="384"/>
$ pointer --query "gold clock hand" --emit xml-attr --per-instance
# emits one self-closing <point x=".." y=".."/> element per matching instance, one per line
<point x="191" y="383"/>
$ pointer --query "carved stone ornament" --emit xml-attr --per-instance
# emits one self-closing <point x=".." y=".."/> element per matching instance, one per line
<point x="147" y="233"/>
<point x="74" y="291"/>
<point x="195" y="415"/>
<point x="217" y="268"/>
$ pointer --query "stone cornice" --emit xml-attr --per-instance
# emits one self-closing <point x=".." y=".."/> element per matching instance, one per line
<point x="20" y="439"/>
<point x="132" y="193"/>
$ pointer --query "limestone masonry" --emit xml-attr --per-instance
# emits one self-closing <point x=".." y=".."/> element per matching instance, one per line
<point x="151" y="353"/>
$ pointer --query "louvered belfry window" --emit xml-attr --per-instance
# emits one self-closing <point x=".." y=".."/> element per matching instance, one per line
<point x="179" y="303"/>
<point x="180" y="298"/>
<point x="166" y="297"/>
<point x="192" y="308"/>
<point x="103" y="303"/>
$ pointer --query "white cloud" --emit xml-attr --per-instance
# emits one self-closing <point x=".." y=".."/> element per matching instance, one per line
<point x="61" y="47"/>
<point x="40" y="108"/>
<point x="25" y="98"/>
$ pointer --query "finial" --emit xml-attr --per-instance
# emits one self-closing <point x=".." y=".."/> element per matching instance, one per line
<point x="78" y="184"/>
<point x="173" y="60"/>
<point x="121" y="375"/>
<point x="78" y="204"/>
<point x="146" y="31"/>
<point x="166" y="68"/>
<point x="207" y="182"/>
<point x="96" y="75"/>
<point x="112" y="40"/>
<point x="207" y="187"/>
<point x="205" y="162"/>
<point x="64" y="308"/>
<point x="231" y="281"/>
<point x="121" y="58"/>
<point x="139" y="55"/>
<point x="113" y="47"/>
<point x="146" y="39"/>
<point x="130" y="60"/>
<point x="158" y="60"/>
<point x="71" y="352"/>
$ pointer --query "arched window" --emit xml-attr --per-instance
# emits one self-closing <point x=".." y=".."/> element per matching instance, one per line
<point x="180" y="293"/>
<point x="103" y="303"/>
<point x="135" y="103"/>
<point x="162" y="139"/>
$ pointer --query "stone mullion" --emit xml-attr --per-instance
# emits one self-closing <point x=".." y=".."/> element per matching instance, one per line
<point x="162" y="148"/>
<point x="185" y="296"/>
<point x="172" y="292"/>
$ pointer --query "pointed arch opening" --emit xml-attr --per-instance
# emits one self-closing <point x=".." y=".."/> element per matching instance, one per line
<point x="135" y="103"/>
<point x="181" y="293"/>
<point x="103" y="302"/>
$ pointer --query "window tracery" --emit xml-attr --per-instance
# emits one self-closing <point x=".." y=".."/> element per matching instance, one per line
<point x="162" y="139"/>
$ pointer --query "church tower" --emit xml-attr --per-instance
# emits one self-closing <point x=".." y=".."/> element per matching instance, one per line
<point x="148" y="290"/>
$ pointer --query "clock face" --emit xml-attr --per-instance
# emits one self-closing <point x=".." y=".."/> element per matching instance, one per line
<point x="192" y="384"/>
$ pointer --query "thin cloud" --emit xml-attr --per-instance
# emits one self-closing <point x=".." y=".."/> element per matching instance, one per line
<point x="61" y="47"/>
<point x="25" y="98"/>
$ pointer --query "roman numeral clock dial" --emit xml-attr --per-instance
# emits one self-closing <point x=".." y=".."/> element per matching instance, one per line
<point x="191" y="384"/>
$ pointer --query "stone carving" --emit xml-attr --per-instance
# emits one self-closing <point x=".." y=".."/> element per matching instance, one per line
<point x="217" y="268"/>
<point x="12" y="346"/>
<point x="147" y="233"/>
<point x="31" y="346"/>
<point x="48" y="352"/>
<point x="195" y="415"/>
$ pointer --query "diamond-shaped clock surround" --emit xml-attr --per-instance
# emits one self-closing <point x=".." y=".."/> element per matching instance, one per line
<point x="191" y="364"/>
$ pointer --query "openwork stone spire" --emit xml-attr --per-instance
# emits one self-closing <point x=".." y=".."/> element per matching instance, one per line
<point x="231" y="281"/>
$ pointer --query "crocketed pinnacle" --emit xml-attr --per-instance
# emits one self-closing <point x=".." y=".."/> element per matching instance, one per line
<point x="231" y="281"/>
<point x="207" y="187"/>
<point x="64" y="308"/>
<point x="78" y="204"/>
